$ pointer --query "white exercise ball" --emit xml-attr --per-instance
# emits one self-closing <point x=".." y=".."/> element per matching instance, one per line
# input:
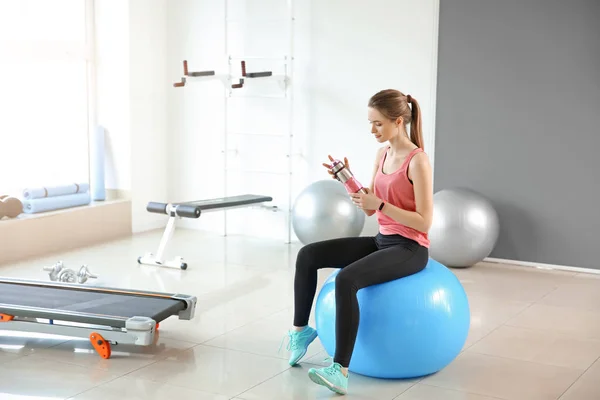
<point x="465" y="227"/>
<point x="324" y="210"/>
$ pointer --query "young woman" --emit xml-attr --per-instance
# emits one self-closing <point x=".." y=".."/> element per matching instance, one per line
<point x="401" y="195"/>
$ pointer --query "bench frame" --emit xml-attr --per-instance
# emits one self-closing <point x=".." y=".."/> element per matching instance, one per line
<point x="192" y="209"/>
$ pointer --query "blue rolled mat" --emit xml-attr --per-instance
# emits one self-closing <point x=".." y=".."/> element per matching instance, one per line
<point x="55" y="203"/>
<point x="97" y="164"/>
<point x="54" y="191"/>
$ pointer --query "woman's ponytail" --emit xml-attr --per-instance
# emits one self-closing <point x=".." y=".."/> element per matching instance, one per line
<point x="416" y="129"/>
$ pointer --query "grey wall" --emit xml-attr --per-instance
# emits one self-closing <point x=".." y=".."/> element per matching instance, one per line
<point x="518" y="119"/>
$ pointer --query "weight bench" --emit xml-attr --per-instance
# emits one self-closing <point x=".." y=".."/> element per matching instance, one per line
<point x="191" y="209"/>
<point x="103" y="315"/>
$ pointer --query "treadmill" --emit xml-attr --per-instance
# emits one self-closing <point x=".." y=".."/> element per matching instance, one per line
<point x="104" y="315"/>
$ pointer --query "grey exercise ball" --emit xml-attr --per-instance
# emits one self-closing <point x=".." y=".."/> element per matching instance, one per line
<point x="464" y="229"/>
<point x="324" y="210"/>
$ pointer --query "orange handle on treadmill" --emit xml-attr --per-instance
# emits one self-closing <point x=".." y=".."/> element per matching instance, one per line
<point x="6" y="317"/>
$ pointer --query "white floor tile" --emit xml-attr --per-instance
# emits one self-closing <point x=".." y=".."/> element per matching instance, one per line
<point x="533" y="332"/>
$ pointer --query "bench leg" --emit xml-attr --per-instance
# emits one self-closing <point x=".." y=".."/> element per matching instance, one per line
<point x="158" y="259"/>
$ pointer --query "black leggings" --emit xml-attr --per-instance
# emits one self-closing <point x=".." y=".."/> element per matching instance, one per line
<point x="365" y="261"/>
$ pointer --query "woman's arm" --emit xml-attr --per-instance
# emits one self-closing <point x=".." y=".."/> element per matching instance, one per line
<point x="420" y="173"/>
<point x="375" y="168"/>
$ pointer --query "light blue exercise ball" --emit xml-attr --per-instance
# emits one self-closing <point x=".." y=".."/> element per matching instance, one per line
<point x="409" y="327"/>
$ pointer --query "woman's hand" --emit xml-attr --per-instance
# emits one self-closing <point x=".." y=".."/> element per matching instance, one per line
<point x="366" y="201"/>
<point x="329" y="166"/>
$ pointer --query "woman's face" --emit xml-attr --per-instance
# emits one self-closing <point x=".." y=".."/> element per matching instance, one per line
<point x="381" y="127"/>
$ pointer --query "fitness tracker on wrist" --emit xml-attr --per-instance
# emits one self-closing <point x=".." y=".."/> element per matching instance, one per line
<point x="381" y="205"/>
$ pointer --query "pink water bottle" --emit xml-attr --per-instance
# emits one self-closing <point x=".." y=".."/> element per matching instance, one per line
<point x="345" y="176"/>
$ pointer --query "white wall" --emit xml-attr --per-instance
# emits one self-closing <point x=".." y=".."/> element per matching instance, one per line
<point x="343" y="53"/>
<point x="195" y="112"/>
<point x="132" y="89"/>
<point x="197" y="119"/>
<point x="112" y="88"/>
<point x="356" y="51"/>
<point x="148" y="86"/>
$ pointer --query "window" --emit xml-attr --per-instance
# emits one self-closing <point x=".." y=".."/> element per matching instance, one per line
<point x="45" y="63"/>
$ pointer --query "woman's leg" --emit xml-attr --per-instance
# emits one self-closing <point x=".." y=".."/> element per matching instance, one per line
<point x="334" y="253"/>
<point x="383" y="266"/>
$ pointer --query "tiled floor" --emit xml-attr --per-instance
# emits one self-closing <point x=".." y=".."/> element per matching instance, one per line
<point x="535" y="334"/>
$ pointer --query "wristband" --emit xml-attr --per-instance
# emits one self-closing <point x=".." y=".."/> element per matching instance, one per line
<point x="381" y="205"/>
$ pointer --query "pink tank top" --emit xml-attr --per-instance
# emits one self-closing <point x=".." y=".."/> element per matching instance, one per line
<point x="397" y="189"/>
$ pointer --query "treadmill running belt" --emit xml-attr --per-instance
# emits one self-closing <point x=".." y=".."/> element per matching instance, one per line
<point x="102" y="304"/>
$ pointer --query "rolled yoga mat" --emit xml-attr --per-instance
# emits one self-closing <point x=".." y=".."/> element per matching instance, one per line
<point x="54" y="191"/>
<point x="97" y="164"/>
<point x="55" y="203"/>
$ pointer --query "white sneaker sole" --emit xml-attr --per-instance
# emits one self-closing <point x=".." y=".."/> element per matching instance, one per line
<point x="319" y="380"/>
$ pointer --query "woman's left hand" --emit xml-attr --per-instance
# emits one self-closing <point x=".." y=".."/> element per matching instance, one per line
<point x="366" y="201"/>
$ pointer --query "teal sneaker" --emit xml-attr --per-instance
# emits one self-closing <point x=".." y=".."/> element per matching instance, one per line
<point x="299" y="342"/>
<point x="331" y="377"/>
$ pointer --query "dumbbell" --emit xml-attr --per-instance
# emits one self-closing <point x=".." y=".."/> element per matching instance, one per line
<point x="84" y="274"/>
<point x="55" y="270"/>
<point x="67" y="275"/>
<point x="10" y="206"/>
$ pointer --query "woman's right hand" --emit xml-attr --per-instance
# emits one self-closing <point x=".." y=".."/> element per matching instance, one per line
<point x="329" y="166"/>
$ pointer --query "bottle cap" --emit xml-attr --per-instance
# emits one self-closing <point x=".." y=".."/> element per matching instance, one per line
<point x="337" y="166"/>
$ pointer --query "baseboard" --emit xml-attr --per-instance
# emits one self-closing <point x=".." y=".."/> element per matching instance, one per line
<point x="542" y="265"/>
